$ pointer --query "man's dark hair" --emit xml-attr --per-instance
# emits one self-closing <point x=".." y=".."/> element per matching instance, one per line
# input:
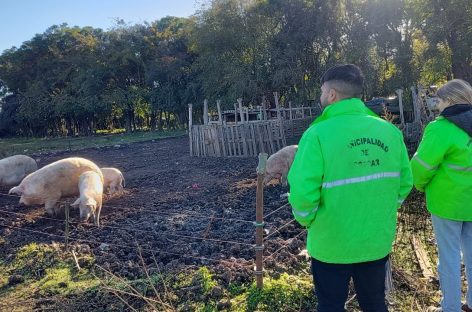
<point x="347" y="79"/>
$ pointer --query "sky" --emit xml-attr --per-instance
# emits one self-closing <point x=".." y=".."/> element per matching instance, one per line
<point x="21" y="19"/>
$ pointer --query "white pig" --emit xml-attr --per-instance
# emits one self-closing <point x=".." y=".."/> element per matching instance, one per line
<point x="279" y="163"/>
<point x="52" y="182"/>
<point x="14" y="168"/>
<point x="113" y="180"/>
<point x="91" y="194"/>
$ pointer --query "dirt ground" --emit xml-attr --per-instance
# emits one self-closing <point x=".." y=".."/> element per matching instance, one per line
<point x="180" y="210"/>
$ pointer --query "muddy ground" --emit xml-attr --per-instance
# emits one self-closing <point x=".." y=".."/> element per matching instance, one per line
<point x="180" y="210"/>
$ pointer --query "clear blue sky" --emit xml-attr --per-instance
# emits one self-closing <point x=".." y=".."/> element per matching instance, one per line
<point x="21" y="19"/>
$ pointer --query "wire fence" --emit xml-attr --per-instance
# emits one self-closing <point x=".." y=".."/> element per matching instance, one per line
<point x="70" y="230"/>
<point x="280" y="231"/>
<point x="69" y="236"/>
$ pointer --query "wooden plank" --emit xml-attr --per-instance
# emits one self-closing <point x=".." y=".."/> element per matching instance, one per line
<point x="237" y="140"/>
<point x="233" y="139"/>
<point x="247" y="136"/>
<point x="242" y="130"/>
<point x="190" y="126"/>
<point x="261" y="140"/>
<point x="222" y="140"/>
<point x="214" y="142"/>
<point x="218" y="106"/>
<point x="282" y="134"/>
<point x="422" y="256"/>
<point x="205" y="112"/>
<point x="202" y="136"/>
<point x="275" y="135"/>
<point x="254" y="145"/>
<point x="270" y="138"/>
<point x="200" y="146"/>
<point x="196" y="139"/>
<point x="260" y="218"/>
<point x="226" y="140"/>
<point x="277" y="106"/>
<point x="216" y="139"/>
<point x="290" y="107"/>
<point x="235" y="114"/>
<point x="241" y="111"/>
<point x="208" y="141"/>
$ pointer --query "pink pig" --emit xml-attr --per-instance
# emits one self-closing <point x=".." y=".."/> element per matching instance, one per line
<point x="278" y="164"/>
<point x="14" y="168"/>
<point x="53" y="182"/>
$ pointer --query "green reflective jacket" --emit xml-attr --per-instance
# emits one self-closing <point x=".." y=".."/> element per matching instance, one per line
<point x="442" y="167"/>
<point x="350" y="174"/>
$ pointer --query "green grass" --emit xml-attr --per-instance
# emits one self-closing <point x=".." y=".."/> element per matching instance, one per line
<point x="12" y="146"/>
<point x="46" y="271"/>
<point x="285" y="293"/>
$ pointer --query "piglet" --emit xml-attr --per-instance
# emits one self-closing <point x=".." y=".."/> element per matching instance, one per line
<point x="113" y="180"/>
<point x="91" y="194"/>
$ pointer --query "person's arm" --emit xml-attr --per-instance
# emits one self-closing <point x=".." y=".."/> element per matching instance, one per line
<point x="305" y="178"/>
<point x="429" y="155"/>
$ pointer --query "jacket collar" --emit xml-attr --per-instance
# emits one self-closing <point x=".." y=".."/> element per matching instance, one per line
<point x="351" y="106"/>
<point x="460" y="115"/>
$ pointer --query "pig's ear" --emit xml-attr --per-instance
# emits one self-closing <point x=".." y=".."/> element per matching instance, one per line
<point x="18" y="190"/>
<point x="76" y="203"/>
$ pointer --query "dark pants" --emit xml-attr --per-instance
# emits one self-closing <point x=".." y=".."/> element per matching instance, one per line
<point x="332" y="285"/>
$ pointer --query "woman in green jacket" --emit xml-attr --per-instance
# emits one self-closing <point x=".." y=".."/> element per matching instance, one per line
<point x="442" y="168"/>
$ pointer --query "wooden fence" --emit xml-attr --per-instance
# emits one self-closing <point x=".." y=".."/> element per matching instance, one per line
<point x="237" y="140"/>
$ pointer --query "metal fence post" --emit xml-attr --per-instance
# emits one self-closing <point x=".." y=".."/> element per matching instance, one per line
<point x="260" y="218"/>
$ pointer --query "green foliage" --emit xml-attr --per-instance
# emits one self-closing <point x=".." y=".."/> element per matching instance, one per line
<point x="286" y="293"/>
<point x="73" y="80"/>
<point x="45" y="271"/>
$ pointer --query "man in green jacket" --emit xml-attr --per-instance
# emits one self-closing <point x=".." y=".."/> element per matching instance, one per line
<point x="350" y="175"/>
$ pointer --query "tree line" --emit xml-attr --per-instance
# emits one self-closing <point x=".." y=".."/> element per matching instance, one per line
<point x="76" y="80"/>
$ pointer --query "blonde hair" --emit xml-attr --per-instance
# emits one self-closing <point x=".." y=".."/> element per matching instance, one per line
<point x="456" y="91"/>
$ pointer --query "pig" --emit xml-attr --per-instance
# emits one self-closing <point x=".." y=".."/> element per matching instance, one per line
<point x="279" y="163"/>
<point x="14" y="168"/>
<point x="113" y="180"/>
<point x="91" y="194"/>
<point x="52" y="182"/>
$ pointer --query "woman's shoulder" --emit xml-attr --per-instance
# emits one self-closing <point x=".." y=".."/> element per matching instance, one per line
<point x="437" y="124"/>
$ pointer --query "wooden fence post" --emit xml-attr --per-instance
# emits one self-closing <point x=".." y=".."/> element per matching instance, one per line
<point x="218" y="106"/>
<point x="205" y="112"/>
<point x="190" y="124"/>
<point x="399" y="93"/>
<point x="264" y="108"/>
<point x="66" y="231"/>
<point x="235" y="114"/>
<point x="290" y="109"/>
<point x="241" y="111"/>
<point x="261" y="167"/>
<point x="277" y="105"/>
